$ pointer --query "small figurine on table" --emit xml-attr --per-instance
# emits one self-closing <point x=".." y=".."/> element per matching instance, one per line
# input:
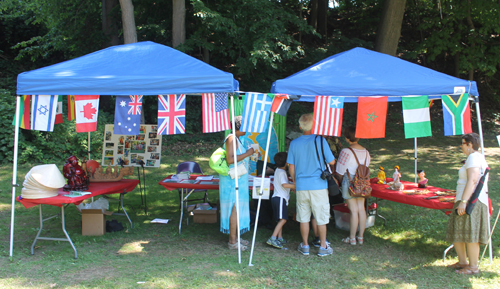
<point x="76" y="175"/>
<point x="422" y="183"/>
<point x="381" y="175"/>
<point x="396" y="182"/>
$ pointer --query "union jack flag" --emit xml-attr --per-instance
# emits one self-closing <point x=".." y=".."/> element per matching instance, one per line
<point x="171" y="114"/>
<point x="135" y="104"/>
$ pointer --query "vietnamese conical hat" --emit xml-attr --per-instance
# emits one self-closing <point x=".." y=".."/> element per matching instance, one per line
<point x="38" y="194"/>
<point x="48" y="175"/>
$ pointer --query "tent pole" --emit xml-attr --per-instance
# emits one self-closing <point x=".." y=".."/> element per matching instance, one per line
<point x="480" y="127"/>
<point x="14" y="175"/>
<point x="415" y="160"/>
<point x="235" y="163"/>
<point x="89" y="146"/>
<point x="264" y="167"/>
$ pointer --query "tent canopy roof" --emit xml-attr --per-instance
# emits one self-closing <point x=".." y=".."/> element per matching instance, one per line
<point x="144" y="68"/>
<point x="362" y="72"/>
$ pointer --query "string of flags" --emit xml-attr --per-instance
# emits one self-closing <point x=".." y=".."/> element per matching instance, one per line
<point x="42" y="112"/>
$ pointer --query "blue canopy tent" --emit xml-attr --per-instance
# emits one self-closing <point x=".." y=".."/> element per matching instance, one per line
<point x="362" y="72"/>
<point x="144" y="68"/>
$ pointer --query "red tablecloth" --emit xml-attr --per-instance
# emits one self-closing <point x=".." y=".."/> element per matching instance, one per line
<point x="205" y="186"/>
<point x="95" y="188"/>
<point x="380" y="191"/>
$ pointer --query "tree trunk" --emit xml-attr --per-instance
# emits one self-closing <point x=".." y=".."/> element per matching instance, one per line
<point x="389" y="29"/>
<point x="314" y="14"/>
<point x="128" y="20"/>
<point x="109" y="27"/>
<point x="178" y="22"/>
<point x="323" y="17"/>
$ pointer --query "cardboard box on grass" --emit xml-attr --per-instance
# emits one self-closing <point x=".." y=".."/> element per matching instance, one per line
<point x="94" y="222"/>
<point x="204" y="213"/>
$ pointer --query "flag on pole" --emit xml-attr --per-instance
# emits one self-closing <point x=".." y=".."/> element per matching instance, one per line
<point x="71" y="107"/>
<point x="372" y="115"/>
<point x="256" y="111"/>
<point x="43" y="112"/>
<point x="215" y="112"/>
<point x="171" y="114"/>
<point x="416" y="116"/>
<point x="86" y="111"/>
<point x="59" y="116"/>
<point x="327" y="118"/>
<point x="456" y="114"/>
<point x="24" y="113"/>
<point x="128" y="115"/>
<point x="282" y="102"/>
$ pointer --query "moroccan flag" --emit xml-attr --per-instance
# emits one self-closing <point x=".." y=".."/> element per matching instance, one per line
<point x="372" y="115"/>
<point x="327" y="118"/>
<point x="59" y="117"/>
<point x="171" y="114"/>
<point x="256" y="112"/>
<point x="456" y="114"/>
<point x="215" y="112"/>
<point x="416" y="116"/>
<point x="282" y="102"/>
<point x="71" y="107"/>
<point x="128" y="115"/>
<point x="24" y="113"/>
<point x="43" y="112"/>
<point x="86" y="111"/>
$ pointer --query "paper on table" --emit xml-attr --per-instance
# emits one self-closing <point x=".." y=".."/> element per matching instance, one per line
<point x="204" y="178"/>
<point x="208" y="183"/>
<point x="160" y="221"/>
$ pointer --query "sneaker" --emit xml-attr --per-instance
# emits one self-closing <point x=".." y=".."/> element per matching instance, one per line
<point x="324" y="252"/>
<point x="283" y="241"/>
<point x="303" y="250"/>
<point x="317" y="243"/>
<point x="275" y="243"/>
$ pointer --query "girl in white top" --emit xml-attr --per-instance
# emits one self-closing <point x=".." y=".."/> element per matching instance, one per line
<point x="347" y="162"/>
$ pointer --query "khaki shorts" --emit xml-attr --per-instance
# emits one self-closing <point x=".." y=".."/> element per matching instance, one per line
<point x="316" y="202"/>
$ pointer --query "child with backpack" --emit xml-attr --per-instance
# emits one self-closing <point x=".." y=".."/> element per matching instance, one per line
<point x="350" y="159"/>
<point x="280" y="199"/>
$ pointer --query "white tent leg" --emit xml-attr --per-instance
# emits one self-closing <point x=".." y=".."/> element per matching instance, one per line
<point x="89" y="147"/>
<point x="14" y="176"/>
<point x="480" y="127"/>
<point x="415" y="160"/>
<point x="235" y="163"/>
<point x="264" y="167"/>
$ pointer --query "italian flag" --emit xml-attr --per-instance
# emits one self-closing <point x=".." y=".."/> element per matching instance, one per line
<point x="416" y="116"/>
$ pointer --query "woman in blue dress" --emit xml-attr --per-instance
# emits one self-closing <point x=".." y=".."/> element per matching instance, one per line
<point x="227" y="191"/>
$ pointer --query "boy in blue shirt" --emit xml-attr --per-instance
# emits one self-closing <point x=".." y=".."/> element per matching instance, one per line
<point x="279" y="201"/>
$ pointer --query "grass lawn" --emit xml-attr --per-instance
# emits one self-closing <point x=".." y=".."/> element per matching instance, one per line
<point x="407" y="253"/>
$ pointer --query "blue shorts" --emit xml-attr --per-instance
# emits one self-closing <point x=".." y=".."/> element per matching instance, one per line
<point x="280" y="209"/>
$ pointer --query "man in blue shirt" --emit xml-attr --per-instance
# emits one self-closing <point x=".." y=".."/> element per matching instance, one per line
<point x="312" y="190"/>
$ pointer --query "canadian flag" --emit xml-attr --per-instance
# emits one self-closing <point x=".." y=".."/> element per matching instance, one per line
<point x="86" y="110"/>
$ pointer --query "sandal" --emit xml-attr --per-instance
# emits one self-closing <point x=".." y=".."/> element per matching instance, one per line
<point x="348" y="240"/>
<point x="468" y="271"/>
<point x="244" y="242"/>
<point x="360" y="240"/>
<point x="235" y="246"/>
<point x="457" y="266"/>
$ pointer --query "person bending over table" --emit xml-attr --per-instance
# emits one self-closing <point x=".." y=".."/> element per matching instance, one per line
<point x="347" y="165"/>
<point x="467" y="231"/>
<point x="227" y="190"/>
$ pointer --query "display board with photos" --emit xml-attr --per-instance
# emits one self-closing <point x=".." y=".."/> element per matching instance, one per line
<point x="145" y="146"/>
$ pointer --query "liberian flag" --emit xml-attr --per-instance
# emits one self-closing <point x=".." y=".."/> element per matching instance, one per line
<point x="86" y="111"/>
<point x="24" y="113"/>
<point x="282" y="102"/>
<point x="43" y="112"/>
<point x="59" y="116"/>
<point x="416" y="116"/>
<point x="256" y="111"/>
<point x="327" y="118"/>
<point x="456" y="114"/>
<point x="171" y="114"/>
<point x="215" y="112"/>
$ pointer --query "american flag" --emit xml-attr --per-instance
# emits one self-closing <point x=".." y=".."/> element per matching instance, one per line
<point x="135" y="104"/>
<point x="215" y="112"/>
<point x="256" y="111"/>
<point x="327" y="118"/>
<point x="171" y="114"/>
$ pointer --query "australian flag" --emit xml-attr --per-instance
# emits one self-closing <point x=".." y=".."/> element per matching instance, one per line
<point x="171" y="114"/>
<point x="128" y="115"/>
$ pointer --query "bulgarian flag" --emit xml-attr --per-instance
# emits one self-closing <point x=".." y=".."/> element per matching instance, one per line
<point x="456" y="114"/>
<point x="372" y="115"/>
<point x="24" y="113"/>
<point x="416" y="116"/>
